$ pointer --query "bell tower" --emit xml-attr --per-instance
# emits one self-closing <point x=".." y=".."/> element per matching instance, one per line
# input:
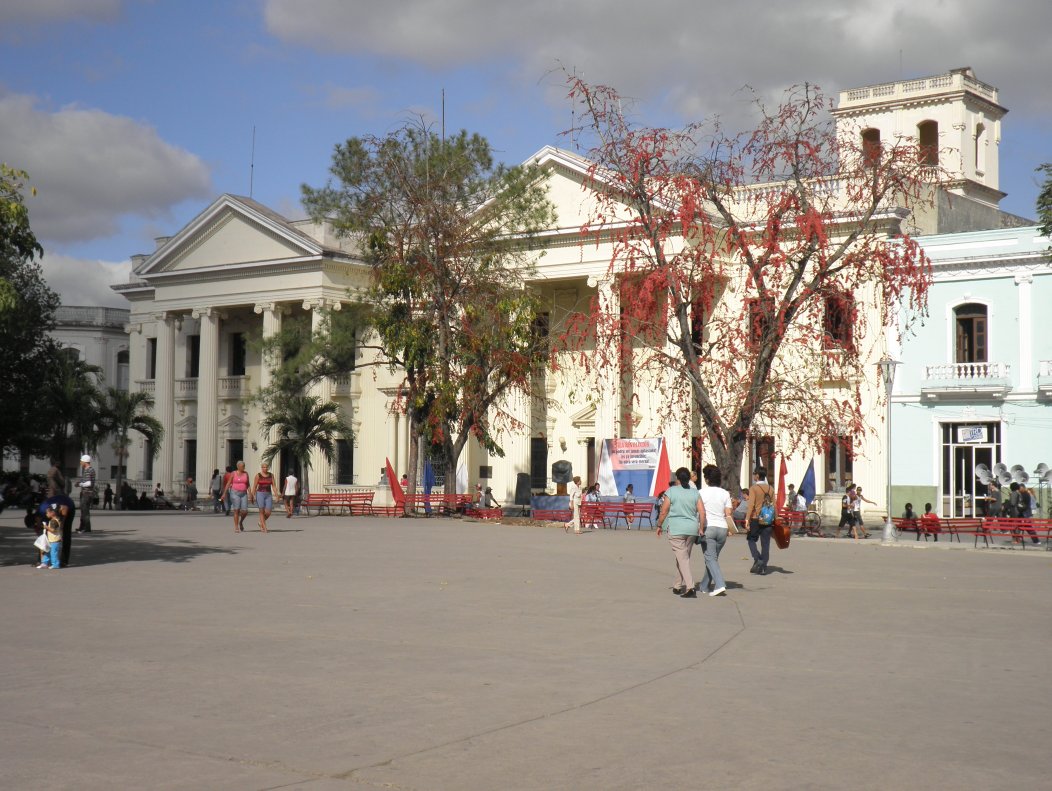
<point x="953" y="116"/>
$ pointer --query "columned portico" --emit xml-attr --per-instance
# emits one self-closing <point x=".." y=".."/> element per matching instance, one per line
<point x="607" y="411"/>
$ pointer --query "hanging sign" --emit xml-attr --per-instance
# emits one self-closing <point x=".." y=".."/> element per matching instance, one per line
<point x="971" y="434"/>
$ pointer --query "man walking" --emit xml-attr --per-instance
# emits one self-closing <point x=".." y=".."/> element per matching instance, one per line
<point x="56" y="483"/>
<point x="87" y="493"/>
<point x="574" y="490"/>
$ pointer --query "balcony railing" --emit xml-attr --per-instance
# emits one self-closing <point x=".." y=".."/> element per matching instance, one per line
<point x="979" y="373"/>
<point x="145" y="385"/>
<point x="348" y="385"/>
<point x="233" y="386"/>
<point x="186" y="389"/>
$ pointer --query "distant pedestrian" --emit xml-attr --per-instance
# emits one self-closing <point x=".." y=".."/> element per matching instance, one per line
<point x="87" y="493"/>
<point x="56" y="482"/>
<point x="289" y="491"/>
<point x="107" y="498"/>
<point x="630" y="497"/>
<point x="574" y="490"/>
<point x="215" y="486"/>
<point x="857" y="511"/>
<point x="224" y="496"/>
<point x="847" y="512"/>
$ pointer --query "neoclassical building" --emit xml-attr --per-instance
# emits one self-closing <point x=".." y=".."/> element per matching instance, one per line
<point x="203" y="298"/>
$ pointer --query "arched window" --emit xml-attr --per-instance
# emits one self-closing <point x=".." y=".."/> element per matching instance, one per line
<point x="971" y="342"/>
<point x="980" y="149"/>
<point x="871" y="146"/>
<point x="928" y="137"/>
<point x="122" y="369"/>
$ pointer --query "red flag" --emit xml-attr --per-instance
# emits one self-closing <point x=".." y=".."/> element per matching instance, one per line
<point x="779" y="502"/>
<point x="396" y="488"/>
<point x="664" y="472"/>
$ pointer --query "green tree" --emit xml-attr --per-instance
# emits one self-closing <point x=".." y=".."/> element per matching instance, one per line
<point x="452" y="237"/>
<point x="71" y="405"/>
<point x="1044" y="202"/>
<point x="299" y="424"/>
<point x="27" y="308"/>
<point x="126" y="412"/>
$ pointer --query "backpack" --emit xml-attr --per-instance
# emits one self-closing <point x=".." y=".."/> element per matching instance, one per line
<point x="766" y="516"/>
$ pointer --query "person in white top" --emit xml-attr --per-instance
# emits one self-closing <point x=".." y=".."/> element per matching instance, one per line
<point x="574" y="490"/>
<point x="289" y="491"/>
<point x="716" y="502"/>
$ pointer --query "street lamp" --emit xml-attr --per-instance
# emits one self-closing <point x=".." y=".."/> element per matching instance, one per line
<point x="886" y="367"/>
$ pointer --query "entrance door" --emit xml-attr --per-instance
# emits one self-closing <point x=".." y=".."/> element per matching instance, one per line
<point x="964" y="485"/>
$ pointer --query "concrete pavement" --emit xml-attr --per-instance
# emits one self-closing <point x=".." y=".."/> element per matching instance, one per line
<point x="342" y="652"/>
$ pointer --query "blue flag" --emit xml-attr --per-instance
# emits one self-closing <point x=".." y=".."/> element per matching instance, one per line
<point x="807" y="485"/>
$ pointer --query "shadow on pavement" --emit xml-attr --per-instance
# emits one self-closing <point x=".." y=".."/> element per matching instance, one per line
<point x="102" y="547"/>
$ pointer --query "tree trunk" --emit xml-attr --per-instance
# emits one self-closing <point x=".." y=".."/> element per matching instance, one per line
<point x="729" y="461"/>
<point x="414" y="458"/>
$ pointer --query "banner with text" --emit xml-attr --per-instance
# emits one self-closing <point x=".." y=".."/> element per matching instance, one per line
<point x="643" y="463"/>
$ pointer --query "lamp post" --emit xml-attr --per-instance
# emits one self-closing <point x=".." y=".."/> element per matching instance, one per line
<point x="886" y="367"/>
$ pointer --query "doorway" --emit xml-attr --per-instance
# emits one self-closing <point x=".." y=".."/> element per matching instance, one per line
<point x="966" y="446"/>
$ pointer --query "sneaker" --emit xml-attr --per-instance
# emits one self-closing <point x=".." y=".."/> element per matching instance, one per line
<point x="43" y="566"/>
<point x="718" y="592"/>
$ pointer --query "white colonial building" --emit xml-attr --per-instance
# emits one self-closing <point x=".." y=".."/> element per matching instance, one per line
<point x="203" y="298"/>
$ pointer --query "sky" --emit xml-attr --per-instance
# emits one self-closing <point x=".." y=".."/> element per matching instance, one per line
<point x="132" y="116"/>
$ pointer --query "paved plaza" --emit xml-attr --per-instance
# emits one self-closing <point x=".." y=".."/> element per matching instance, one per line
<point x="343" y="653"/>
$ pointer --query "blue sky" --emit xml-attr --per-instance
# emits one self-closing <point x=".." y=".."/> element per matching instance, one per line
<point x="131" y="116"/>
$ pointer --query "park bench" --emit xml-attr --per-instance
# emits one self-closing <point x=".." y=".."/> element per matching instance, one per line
<point x="551" y="514"/>
<point x="1020" y="530"/>
<point x="360" y="503"/>
<point x="794" y="519"/>
<point x="483" y="513"/>
<point x="633" y="511"/>
<point x="319" y="501"/>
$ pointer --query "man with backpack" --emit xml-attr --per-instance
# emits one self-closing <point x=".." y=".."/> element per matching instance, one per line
<point x="759" y="515"/>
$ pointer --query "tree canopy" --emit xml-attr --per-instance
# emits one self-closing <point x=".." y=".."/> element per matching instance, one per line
<point x="448" y="233"/>
<point x="1044" y="202"/>
<point x="749" y="255"/>
<point x="27" y="308"/>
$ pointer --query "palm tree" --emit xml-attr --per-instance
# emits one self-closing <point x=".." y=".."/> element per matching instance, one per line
<point x="299" y="424"/>
<point x="126" y="412"/>
<point x="73" y="403"/>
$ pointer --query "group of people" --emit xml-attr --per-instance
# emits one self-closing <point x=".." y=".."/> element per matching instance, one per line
<point x="851" y="512"/>
<point x="53" y="519"/>
<point x="232" y="492"/>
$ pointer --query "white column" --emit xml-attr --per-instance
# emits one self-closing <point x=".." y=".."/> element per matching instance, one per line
<point x="402" y="445"/>
<point x="516" y="442"/>
<point x="393" y="418"/>
<point x="607" y="417"/>
<point x="208" y="395"/>
<point x="320" y="473"/>
<point x="272" y="314"/>
<point x="164" y="399"/>
<point x="1025" y="375"/>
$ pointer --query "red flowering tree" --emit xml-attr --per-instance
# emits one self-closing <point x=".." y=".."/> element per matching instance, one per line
<point x="766" y="264"/>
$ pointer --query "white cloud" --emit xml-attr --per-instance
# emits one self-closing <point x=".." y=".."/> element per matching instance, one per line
<point x="85" y="282"/>
<point x="696" y="55"/>
<point x="91" y="168"/>
<point x="58" y="10"/>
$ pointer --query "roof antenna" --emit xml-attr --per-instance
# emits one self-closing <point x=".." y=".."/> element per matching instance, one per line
<point x="252" y="163"/>
<point x="443" y="117"/>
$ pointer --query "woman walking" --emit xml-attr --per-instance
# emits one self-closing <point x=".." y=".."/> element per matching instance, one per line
<point x="574" y="490"/>
<point x="263" y="494"/>
<point x="680" y="509"/>
<point x="236" y="491"/>
<point x="716" y="504"/>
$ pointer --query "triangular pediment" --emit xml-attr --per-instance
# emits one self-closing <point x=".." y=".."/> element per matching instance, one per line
<point x="584" y="419"/>
<point x="569" y="187"/>
<point x="230" y="232"/>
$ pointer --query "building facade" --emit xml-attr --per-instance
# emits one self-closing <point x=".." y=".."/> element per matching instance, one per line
<point x="975" y="384"/>
<point x="203" y="300"/>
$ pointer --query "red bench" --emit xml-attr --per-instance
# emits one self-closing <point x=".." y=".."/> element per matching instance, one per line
<point x="551" y="514"/>
<point x="483" y="513"/>
<point x="1020" y="530"/>
<point x="439" y="502"/>
<point x="358" y="502"/>
<point x="631" y="512"/>
<point x="319" y="501"/>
